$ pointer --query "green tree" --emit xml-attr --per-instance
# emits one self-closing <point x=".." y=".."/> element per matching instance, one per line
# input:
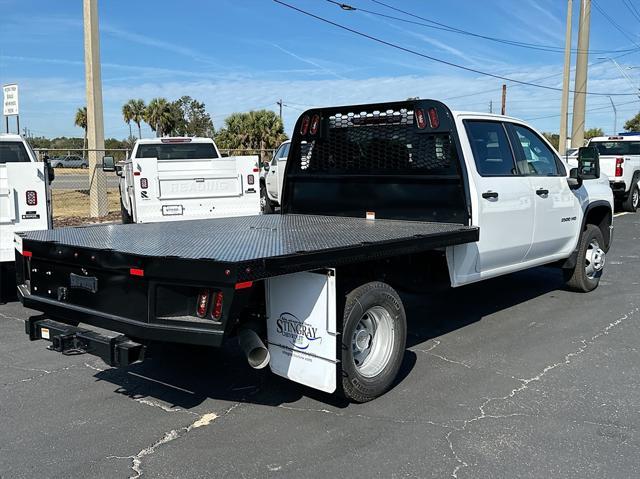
<point x="81" y="121"/>
<point x="192" y="118"/>
<point x="127" y="114"/>
<point x="159" y="116"/>
<point x="552" y="138"/>
<point x="633" y="124"/>
<point x="255" y="130"/>
<point x="591" y="132"/>
<point x="138" y="109"/>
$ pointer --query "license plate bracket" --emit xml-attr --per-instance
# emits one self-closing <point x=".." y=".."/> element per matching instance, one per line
<point x="88" y="283"/>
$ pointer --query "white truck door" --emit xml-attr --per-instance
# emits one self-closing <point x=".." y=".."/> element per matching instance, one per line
<point x="558" y="215"/>
<point x="504" y="198"/>
<point x="271" y="176"/>
<point x="282" y="164"/>
<point x="23" y="202"/>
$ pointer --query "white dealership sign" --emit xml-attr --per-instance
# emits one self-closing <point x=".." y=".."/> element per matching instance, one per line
<point x="10" y="102"/>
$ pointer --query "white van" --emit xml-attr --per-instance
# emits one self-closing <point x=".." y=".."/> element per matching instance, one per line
<point x="25" y="202"/>
<point x="169" y="179"/>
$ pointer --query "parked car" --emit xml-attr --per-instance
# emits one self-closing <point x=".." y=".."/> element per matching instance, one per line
<point x="376" y="197"/>
<point x="69" y="161"/>
<point x="272" y="179"/>
<point x="620" y="161"/>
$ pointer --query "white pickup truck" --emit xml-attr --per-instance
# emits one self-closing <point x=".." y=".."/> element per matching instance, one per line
<point x="25" y="202"/>
<point x="376" y="197"/>
<point x="273" y="178"/>
<point x="620" y="161"/>
<point x="169" y="179"/>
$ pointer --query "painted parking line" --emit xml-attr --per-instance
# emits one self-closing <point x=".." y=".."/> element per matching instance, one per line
<point x="621" y="214"/>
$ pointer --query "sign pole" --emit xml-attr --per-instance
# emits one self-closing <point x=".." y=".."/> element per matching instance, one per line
<point x="18" y="123"/>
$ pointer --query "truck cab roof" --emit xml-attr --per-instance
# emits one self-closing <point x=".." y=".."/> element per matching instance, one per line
<point x="10" y="137"/>
<point x="173" y="139"/>
<point x="635" y="137"/>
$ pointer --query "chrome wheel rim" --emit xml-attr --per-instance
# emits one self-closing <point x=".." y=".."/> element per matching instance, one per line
<point x="635" y="198"/>
<point x="372" y="341"/>
<point x="594" y="259"/>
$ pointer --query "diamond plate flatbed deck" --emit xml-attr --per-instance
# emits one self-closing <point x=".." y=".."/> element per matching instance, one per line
<point x="290" y="242"/>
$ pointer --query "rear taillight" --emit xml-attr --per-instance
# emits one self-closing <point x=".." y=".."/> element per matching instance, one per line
<point x="619" y="162"/>
<point x="216" y="311"/>
<point x="203" y="304"/>
<point x="32" y="197"/>
<point x="144" y="183"/>
<point x="250" y="179"/>
<point x="315" y="124"/>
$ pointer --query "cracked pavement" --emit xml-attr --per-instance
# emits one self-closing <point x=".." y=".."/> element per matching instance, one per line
<point x="512" y="377"/>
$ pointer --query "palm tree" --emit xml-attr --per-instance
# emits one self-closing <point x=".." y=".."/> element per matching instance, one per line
<point x="138" y="109"/>
<point x="159" y="116"/>
<point x="81" y="121"/>
<point x="127" y="114"/>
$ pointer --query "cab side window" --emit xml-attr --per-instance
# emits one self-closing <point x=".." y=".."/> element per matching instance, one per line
<point x="535" y="158"/>
<point x="491" y="149"/>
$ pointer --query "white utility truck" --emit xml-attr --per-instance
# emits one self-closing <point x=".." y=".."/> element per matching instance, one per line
<point x="620" y="161"/>
<point x="376" y="197"/>
<point x="273" y="179"/>
<point x="169" y="179"/>
<point x="25" y="202"/>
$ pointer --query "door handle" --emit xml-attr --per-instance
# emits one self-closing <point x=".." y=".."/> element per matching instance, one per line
<point x="542" y="192"/>
<point x="489" y="194"/>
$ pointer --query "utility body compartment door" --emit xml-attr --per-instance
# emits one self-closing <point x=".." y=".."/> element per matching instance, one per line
<point x="24" y="202"/>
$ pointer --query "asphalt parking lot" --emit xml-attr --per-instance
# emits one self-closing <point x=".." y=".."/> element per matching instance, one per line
<point x="512" y="377"/>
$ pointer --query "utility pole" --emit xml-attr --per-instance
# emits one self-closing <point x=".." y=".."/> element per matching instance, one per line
<point x="503" y="109"/>
<point x="490" y="106"/>
<point x="95" y="121"/>
<point x="580" y="89"/>
<point x="564" y="105"/>
<point x="279" y="103"/>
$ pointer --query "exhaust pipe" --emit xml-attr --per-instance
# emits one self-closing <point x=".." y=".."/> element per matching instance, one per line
<point x="253" y="347"/>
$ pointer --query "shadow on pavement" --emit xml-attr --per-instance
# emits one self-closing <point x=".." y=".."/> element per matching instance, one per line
<point x="185" y="376"/>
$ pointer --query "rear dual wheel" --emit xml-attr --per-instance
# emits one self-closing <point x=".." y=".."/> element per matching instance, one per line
<point x="373" y="341"/>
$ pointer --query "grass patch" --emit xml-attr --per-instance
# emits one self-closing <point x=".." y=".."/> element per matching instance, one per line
<point x="71" y="207"/>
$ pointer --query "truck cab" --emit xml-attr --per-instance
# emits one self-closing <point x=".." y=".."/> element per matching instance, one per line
<point x="175" y="178"/>
<point x="620" y="161"/>
<point x="25" y="202"/>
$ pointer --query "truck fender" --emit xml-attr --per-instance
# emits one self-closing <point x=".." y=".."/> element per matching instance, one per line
<point x="598" y="213"/>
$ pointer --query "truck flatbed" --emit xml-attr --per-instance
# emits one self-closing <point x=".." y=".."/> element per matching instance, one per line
<point x="275" y="243"/>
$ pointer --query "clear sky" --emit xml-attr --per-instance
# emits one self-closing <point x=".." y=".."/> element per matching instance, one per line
<point x="237" y="55"/>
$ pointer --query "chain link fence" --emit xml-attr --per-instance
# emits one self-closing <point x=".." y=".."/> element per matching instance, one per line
<point x="71" y="190"/>
<point x="81" y="194"/>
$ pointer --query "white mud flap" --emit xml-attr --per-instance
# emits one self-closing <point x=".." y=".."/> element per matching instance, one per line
<point x="301" y="328"/>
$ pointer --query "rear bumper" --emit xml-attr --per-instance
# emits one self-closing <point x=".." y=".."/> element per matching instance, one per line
<point x="619" y="188"/>
<point x="140" y="331"/>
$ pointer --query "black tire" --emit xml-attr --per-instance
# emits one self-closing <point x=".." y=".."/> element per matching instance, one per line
<point x="353" y="383"/>
<point x="267" y="206"/>
<point x="631" y="202"/>
<point x="577" y="278"/>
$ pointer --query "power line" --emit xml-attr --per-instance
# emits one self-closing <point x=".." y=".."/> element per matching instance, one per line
<point x="438" y="60"/>
<point x="613" y="22"/>
<point x="443" y="27"/>
<point x="631" y="7"/>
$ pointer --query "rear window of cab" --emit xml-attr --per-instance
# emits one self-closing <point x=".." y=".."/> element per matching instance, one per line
<point x="13" y="152"/>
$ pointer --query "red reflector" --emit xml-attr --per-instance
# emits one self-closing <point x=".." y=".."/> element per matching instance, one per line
<point x="256" y="170"/>
<point x="27" y="254"/>
<point x="245" y="285"/>
<point x="216" y="312"/>
<point x="304" y="126"/>
<point x="136" y="173"/>
<point x="315" y="124"/>
<point x="203" y="303"/>
<point x="136" y="272"/>
<point x="420" y="119"/>
<point x="32" y="197"/>
<point x="250" y="179"/>
<point x="144" y="183"/>
<point x="434" y="121"/>
<point x="619" y="170"/>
